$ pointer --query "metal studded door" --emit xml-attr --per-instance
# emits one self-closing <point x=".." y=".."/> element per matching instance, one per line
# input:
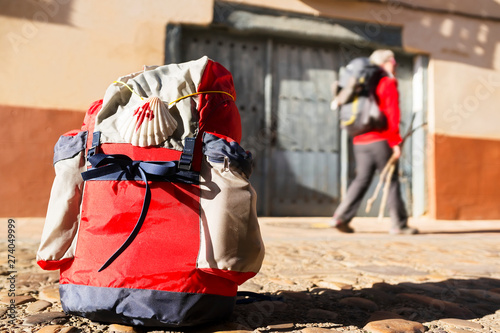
<point x="304" y="160"/>
<point x="283" y="94"/>
<point x="283" y="91"/>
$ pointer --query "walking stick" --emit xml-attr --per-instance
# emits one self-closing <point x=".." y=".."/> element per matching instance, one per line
<point x="385" y="191"/>
<point x="382" y="179"/>
<point x="386" y="175"/>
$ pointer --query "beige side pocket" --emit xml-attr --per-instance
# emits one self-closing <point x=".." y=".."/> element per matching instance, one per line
<point x="63" y="214"/>
<point x="230" y="233"/>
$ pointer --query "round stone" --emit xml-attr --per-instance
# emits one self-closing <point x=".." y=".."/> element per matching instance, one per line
<point x="50" y="294"/>
<point x="18" y="300"/>
<point x="45" y="317"/>
<point x="115" y="328"/>
<point x="38" y="306"/>
<point x="394" y="325"/>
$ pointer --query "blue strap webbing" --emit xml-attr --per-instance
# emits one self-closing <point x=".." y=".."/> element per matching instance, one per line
<point x="96" y="142"/>
<point x="104" y="164"/>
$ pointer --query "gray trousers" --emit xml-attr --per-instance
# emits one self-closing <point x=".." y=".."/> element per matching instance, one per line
<point x="369" y="158"/>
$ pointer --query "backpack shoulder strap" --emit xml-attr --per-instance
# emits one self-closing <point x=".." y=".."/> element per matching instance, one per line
<point x="89" y="123"/>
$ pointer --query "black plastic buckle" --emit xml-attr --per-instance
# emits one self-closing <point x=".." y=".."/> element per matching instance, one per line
<point x="186" y="159"/>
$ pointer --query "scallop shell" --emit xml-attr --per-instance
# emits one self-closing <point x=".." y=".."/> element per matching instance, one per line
<point x="149" y="125"/>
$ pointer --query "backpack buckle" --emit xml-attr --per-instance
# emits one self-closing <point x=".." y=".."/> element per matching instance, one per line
<point x="96" y="142"/>
<point x="186" y="159"/>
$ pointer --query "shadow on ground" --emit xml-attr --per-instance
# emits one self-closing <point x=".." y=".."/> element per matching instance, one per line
<point x="422" y="302"/>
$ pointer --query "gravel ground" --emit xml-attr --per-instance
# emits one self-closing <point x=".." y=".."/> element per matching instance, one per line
<point x="446" y="279"/>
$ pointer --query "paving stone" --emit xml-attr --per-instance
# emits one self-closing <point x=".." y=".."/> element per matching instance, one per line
<point x="19" y="300"/>
<point x="45" y="277"/>
<point x="27" y="285"/>
<point x="323" y="315"/>
<point x="447" y="308"/>
<point x="457" y="330"/>
<point x="280" y="327"/>
<point x="494" y="327"/>
<point x="473" y="270"/>
<point x="69" y="329"/>
<point x="383" y="315"/>
<point x="50" y="294"/>
<point x="334" y="285"/>
<point x="44" y="317"/>
<point x="59" y="321"/>
<point x="38" y="306"/>
<point x="359" y="302"/>
<point x="58" y="329"/>
<point x="51" y="329"/>
<point x="317" y="330"/>
<point x="461" y="323"/>
<point x="394" y="326"/>
<point x="115" y="328"/>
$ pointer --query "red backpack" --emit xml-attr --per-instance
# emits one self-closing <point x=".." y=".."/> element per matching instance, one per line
<point x="151" y="219"/>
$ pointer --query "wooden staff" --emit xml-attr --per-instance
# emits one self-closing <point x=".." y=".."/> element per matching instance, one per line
<point x="384" y="178"/>
<point x="386" y="175"/>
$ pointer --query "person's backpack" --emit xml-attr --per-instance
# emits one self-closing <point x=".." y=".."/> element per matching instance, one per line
<point x="356" y="99"/>
<point x="152" y="219"/>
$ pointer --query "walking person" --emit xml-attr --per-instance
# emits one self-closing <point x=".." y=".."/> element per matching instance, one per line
<point x="372" y="150"/>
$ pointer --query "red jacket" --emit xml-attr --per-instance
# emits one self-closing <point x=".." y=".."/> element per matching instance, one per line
<point x="387" y="93"/>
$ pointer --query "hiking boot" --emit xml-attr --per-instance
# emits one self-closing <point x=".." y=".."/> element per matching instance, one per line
<point x="403" y="231"/>
<point x="341" y="226"/>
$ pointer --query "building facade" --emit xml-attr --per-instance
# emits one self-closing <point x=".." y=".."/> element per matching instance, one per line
<point x="58" y="56"/>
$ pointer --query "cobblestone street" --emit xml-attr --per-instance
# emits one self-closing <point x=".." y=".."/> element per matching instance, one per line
<point x="446" y="279"/>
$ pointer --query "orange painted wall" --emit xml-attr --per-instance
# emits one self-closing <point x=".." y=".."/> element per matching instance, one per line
<point x="26" y="151"/>
<point x="467" y="178"/>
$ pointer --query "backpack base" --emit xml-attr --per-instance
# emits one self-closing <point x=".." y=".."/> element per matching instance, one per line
<point x="145" y="307"/>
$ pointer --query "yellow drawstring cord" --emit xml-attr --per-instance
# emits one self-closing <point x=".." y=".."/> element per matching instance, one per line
<point x="181" y="98"/>
<point x="202" y="92"/>
<point x="132" y="90"/>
